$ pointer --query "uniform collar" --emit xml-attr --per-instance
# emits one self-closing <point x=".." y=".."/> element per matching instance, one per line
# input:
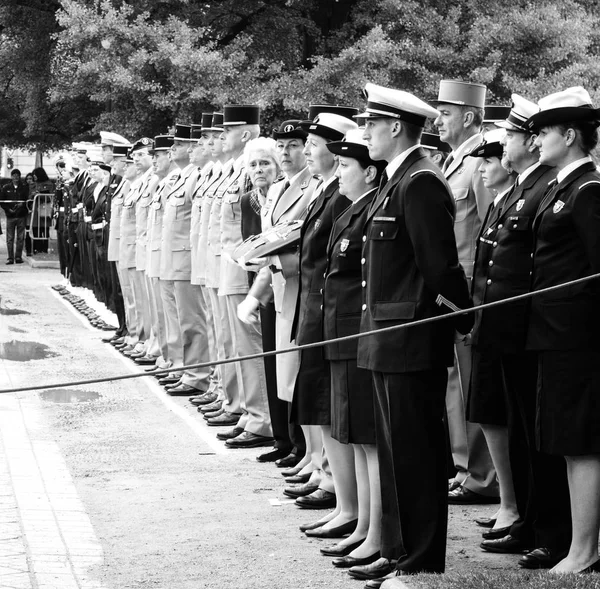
<point x="524" y="175"/>
<point x="393" y="166"/>
<point x="572" y="167"/>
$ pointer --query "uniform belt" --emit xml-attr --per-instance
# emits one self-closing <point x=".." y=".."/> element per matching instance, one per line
<point x="61" y="209"/>
<point x="96" y="226"/>
<point x="87" y="219"/>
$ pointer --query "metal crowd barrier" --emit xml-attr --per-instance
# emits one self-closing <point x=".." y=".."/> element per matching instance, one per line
<point x="39" y="227"/>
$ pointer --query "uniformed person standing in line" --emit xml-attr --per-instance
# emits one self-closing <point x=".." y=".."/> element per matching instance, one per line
<point x="139" y="326"/>
<point x="167" y="172"/>
<point x="117" y="188"/>
<point x="503" y="269"/>
<point x="202" y="157"/>
<point x="459" y="123"/>
<point x="225" y="375"/>
<point x="410" y="266"/>
<point x="181" y="299"/>
<point x="241" y="125"/>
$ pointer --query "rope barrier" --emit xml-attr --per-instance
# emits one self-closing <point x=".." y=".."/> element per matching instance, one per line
<point x="346" y="338"/>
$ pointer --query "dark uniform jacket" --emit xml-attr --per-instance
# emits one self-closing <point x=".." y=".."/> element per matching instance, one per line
<point x="15" y="210"/>
<point x="503" y="264"/>
<point x="98" y="215"/>
<point x="342" y="292"/>
<point x="314" y="237"/>
<point x="409" y="258"/>
<point x="567" y="247"/>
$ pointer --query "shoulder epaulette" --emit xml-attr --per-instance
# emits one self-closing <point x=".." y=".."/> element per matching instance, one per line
<point x="588" y="183"/>
<point x="423" y="172"/>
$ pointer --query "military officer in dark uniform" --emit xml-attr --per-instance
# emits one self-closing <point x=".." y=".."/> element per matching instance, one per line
<point x="564" y="324"/>
<point x="502" y="270"/>
<point x="410" y="268"/>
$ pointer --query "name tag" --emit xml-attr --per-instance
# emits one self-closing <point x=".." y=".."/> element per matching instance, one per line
<point x="384" y="219"/>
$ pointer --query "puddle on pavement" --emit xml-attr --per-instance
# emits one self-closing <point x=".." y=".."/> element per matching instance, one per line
<point x="5" y="311"/>
<point x="24" y="351"/>
<point x="69" y="396"/>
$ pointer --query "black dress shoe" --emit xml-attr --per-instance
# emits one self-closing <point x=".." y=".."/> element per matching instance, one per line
<point x="18" y="261"/>
<point x="214" y="406"/>
<point x="312" y="526"/>
<point x="168" y="380"/>
<point x="203" y="399"/>
<point x="540" y="558"/>
<point x="463" y="496"/>
<point x="145" y="361"/>
<point x="340" y="549"/>
<point x="485" y="522"/>
<point x="497" y="533"/>
<point x="289" y="461"/>
<point x="230" y="433"/>
<point x="506" y="545"/>
<point x="224" y="418"/>
<point x="249" y="440"/>
<point x="345" y="562"/>
<point x="301" y="490"/>
<point x="298" y="479"/>
<point x="272" y="456"/>
<point x="320" y="499"/>
<point x="183" y="389"/>
<point x="9" y="262"/>
<point x="337" y="532"/>
<point x="375" y="570"/>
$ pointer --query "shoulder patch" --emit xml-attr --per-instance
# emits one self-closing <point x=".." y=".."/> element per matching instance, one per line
<point x="423" y="172"/>
<point x="588" y="183"/>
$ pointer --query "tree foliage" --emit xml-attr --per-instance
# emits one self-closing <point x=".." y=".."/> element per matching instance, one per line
<point x="69" y="68"/>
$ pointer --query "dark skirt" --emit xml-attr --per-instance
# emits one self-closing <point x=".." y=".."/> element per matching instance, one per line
<point x="311" y="404"/>
<point x="352" y="413"/>
<point x="487" y="400"/>
<point x="568" y="402"/>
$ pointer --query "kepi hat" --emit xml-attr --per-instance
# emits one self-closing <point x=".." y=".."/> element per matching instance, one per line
<point x="182" y="132"/>
<point x="163" y="143"/>
<point x="121" y="150"/>
<point x="568" y="106"/>
<point x="495" y="113"/>
<point x="390" y="103"/>
<point x="432" y="141"/>
<point x="461" y="93"/>
<point x="196" y="132"/>
<point x="241" y="114"/>
<point x="206" y="121"/>
<point x="217" y="122"/>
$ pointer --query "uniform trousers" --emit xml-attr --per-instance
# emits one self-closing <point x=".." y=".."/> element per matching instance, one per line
<point x="159" y="350"/>
<point x="215" y="373"/>
<point x="75" y="274"/>
<point x="540" y="480"/>
<point x="142" y="305"/>
<point x="470" y="453"/>
<point x="129" y="304"/>
<point x="116" y="295"/>
<point x="15" y="226"/>
<point x="246" y="340"/>
<point x="62" y="246"/>
<point x="184" y="315"/>
<point x="411" y="446"/>
<point x="231" y="403"/>
<point x="92" y="256"/>
<point x="83" y="251"/>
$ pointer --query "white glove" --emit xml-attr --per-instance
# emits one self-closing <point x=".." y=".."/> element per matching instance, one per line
<point x="247" y="310"/>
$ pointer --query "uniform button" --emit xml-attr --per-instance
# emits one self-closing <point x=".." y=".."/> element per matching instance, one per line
<point x="490" y="263"/>
<point x="515" y="226"/>
<point x="324" y="274"/>
<point x="364" y="307"/>
<point x="532" y="256"/>
<point x="364" y="238"/>
<point x="500" y="226"/>
<point x="321" y="307"/>
<point x="489" y="281"/>
<point x="531" y="274"/>
<point x="364" y="283"/>
<point x="363" y="261"/>
<point x="321" y="291"/>
<point x="495" y="244"/>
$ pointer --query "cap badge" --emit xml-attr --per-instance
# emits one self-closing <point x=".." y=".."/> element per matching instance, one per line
<point x="520" y="204"/>
<point x="344" y="245"/>
<point x="288" y="128"/>
<point x="304" y="185"/>
<point x="558" y="206"/>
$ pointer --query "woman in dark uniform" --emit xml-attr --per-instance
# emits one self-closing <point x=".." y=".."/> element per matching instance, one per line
<point x="486" y="404"/>
<point x="565" y="323"/>
<point x="352" y="416"/>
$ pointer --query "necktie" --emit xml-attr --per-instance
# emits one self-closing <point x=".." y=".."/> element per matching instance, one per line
<point x="383" y="181"/>
<point x="255" y="203"/>
<point x="447" y="163"/>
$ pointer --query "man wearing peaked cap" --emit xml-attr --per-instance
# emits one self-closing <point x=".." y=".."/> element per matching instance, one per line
<point x="108" y="141"/>
<point x="461" y="105"/>
<point x="502" y="269"/>
<point x="311" y="403"/>
<point x="343" y="111"/>
<point x="410" y="270"/>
